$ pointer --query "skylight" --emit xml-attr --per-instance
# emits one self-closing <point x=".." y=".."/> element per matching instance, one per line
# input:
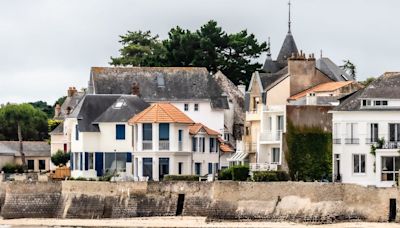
<point x="119" y="104"/>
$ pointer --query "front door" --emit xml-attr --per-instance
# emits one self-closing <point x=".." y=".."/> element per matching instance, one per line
<point x="163" y="167"/>
<point x="148" y="168"/>
<point x="336" y="169"/>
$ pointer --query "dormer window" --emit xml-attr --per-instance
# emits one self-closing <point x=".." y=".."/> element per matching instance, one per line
<point x="366" y="103"/>
<point x="380" y="103"/>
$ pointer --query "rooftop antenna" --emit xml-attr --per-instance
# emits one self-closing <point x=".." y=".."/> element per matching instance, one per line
<point x="321" y="53"/>
<point x="289" y="22"/>
<point x="269" y="48"/>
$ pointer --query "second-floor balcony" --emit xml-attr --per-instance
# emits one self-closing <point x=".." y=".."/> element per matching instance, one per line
<point x="147" y="145"/>
<point x="163" y="145"/>
<point x="388" y="145"/>
<point x="352" y="140"/>
<point x="271" y="136"/>
<point x="254" y="167"/>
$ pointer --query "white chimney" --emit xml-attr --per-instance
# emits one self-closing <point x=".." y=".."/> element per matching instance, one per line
<point x="242" y="88"/>
<point x="311" y="99"/>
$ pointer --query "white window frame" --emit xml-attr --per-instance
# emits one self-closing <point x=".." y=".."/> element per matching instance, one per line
<point x="359" y="172"/>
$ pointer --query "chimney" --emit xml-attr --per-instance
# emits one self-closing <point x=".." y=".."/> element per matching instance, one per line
<point x="71" y="91"/>
<point x="135" y="89"/>
<point x="57" y="110"/>
<point x="242" y="88"/>
<point x="311" y="99"/>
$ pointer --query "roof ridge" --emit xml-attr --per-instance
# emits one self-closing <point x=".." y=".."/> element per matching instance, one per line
<point x="167" y="112"/>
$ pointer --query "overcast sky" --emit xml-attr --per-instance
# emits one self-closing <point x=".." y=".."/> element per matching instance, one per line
<point x="47" y="46"/>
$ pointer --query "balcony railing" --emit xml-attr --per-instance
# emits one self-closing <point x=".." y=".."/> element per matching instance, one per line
<point x="147" y="145"/>
<point x="371" y="140"/>
<point x="163" y="145"/>
<point x="352" y="141"/>
<point x="180" y="146"/>
<point x="337" y="141"/>
<point x="390" y="145"/>
<point x="271" y="136"/>
<point x="263" y="167"/>
<point x="250" y="147"/>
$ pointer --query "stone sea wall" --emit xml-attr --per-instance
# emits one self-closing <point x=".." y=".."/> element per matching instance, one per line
<point x="296" y="201"/>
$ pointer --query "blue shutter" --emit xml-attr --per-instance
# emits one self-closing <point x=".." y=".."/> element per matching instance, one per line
<point x="86" y="161"/>
<point x="210" y="166"/>
<point x="99" y="163"/>
<point x="81" y="155"/>
<point x="129" y="157"/>
<point x="71" y="160"/>
<point x="76" y="132"/>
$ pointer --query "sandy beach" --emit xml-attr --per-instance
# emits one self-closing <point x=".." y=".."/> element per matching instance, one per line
<point x="169" y="222"/>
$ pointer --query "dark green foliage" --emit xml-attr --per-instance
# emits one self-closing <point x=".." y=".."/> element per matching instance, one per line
<point x="240" y="173"/>
<point x="60" y="158"/>
<point x="349" y="67"/>
<point x="210" y="47"/>
<point x="60" y="100"/>
<point x="225" y="174"/>
<point x="267" y="176"/>
<point x="33" y="122"/>
<point x="44" y="107"/>
<point x="12" y="168"/>
<point x="309" y="154"/>
<point x="181" y="178"/>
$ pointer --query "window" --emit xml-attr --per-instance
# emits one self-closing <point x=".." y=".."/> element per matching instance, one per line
<point x="186" y="107"/>
<point x="42" y="164"/>
<point x="180" y="167"/>
<point x="213" y="145"/>
<point x="366" y="103"/>
<point x="119" y="104"/>
<point x="247" y="131"/>
<point x="255" y="103"/>
<point x="394" y="132"/>
<point x="115" y="161"/>
<point x="275" y="155"/>
<point x="148" y="168"/>
<point x="196" y="107"/>
<point x="65" y="148"/>
<point x="76" y="132"/>
<point x="358" y="163"/>
<point x="197" y="168"/>
<point x="120" y="131"/>
<point x="280" y="123"/>
<point x="352" y="133"/>
<point x="202" y="144"/>
<point x="194" y="144"/>
<point x="373" y="132"/>
<point x="147" y="132"/>
<point x="380" y="103"/>
<point x="90" y="160"/>
<point x="390" y="168"/>
<point x="384" y="103"/>
<point x="164" y="131"/>
<point x="180" y="138"/>
<point x="336" y="133"/>
<point x="270" y="123"/>
<point x="216" y="167"/>
<point x="226" y="136"/>
<point x="210" y="168"/>
<point x="31" y="164"/>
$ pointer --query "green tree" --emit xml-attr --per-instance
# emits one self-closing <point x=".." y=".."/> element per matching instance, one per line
<point x="210" y="47"/>
<point x="44" y="107"/>
<point x="350" y="68"/>
<point x="60" y="100"/>
<point x="60" y="158"/>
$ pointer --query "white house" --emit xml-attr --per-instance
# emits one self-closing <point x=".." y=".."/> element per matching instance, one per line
<point x="369" y="117"/>
<point x="101" y="139"/>
<point x="166" y="141"/>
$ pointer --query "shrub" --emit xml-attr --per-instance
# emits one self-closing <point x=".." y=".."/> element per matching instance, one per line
<point x="60" y="158"/>
<point x="81" y="179"/>
<point x="12" y="168"/>
<point x="268" y="176"/>
<point x="240" y="173"/>
<point x="181" y="178"/>
<point x="107" y="176"/>
<point x="225" y="174"/>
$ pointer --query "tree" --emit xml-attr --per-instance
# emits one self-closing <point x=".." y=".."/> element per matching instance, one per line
<point x="60" y="158"/>
<point x="350" y="68"/>
<point x="60" y="100"/>
<point x="367" y="81"/>
<point x="44" y="107"/>
<point x="210" y="47"/>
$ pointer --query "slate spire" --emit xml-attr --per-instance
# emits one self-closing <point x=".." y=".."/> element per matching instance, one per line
<point x="288" y="46"/>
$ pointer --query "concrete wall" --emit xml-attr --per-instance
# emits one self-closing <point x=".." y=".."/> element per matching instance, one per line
<point x="297" y="201"/>
<point x="310" y="115"/>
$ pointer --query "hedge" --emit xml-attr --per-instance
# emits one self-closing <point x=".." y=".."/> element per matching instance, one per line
<point x="269" y="176"/>
<point x="12" y="168"/>
<point x="236" y="173"/>
<point x="181" y="178"/>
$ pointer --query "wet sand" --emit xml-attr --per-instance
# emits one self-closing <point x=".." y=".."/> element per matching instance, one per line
<point x="169" y="222"/>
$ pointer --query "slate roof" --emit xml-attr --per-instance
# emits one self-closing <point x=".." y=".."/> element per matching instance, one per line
<point x="288" y="47"/>
<point x="31" y="148"/>
<point x="161" y="113"/>
<point x="59" y="130"/>
<point x="333" y="71"/>
<point x="159" y="83"/>
<point x="268" y="80"/>
<point x="386" y="86"/>
<point x="99" y="108"/>
<point x="70" y="103"/>
<point x="194" y="129"/>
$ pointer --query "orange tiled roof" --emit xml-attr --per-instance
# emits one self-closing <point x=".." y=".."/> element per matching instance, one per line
<point x="226" y="148"/>
<point x="161" y="113"/>
<point x="194" y="129"/>
<point x="324" y="87"/>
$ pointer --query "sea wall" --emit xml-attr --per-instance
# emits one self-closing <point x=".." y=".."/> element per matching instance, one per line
<point x="297" y="201"/>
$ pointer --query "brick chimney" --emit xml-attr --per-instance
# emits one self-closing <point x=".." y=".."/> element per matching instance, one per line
<point x="135" y="89"/>
<point x="57" y="110"/>
<point x="71" y="91"/>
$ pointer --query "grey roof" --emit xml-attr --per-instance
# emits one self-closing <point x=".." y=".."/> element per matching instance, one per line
<point x="70" y="103"/>
<point x="333" y="71"/>
<point x="288" y="48"/>
<point x="247" y="101"/>
<point x="102" y="108"/>
<point x="59" y="130"/>
<point x="159" y="83"/>
<point x="386" y="86"/>
<point x="268" y="80"/>
<point x="30" y="148"/>
<point x="131" y="105"/>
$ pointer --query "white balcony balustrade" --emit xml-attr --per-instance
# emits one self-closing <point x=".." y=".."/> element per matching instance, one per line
<point x="263" y="167"/>
<point x="163" y="145"/>
<point x="271" y="136"/>
<point x="147" y="145"/>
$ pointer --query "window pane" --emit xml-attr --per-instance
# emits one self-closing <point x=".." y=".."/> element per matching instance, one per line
<point x="31" y="164"/>
<point x="397" y="163"/>
<point x="362" y="163"/>
<point x="397" y="132"/>
<point x="392" y="132"/>
<point x="120" y="131"/>
<point x="147" y="131"/>
<point x="387" y="164"/>
<point x="194" y="143"/>
<point x="356" y="163"/>
<point x="164" y="131"/>
<point x="210" y="166"/>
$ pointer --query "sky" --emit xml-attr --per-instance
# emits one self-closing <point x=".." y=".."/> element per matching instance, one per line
<point x="47" y="46"/>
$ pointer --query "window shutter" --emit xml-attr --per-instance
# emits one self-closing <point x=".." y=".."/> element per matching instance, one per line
<point x="86" y="161"/>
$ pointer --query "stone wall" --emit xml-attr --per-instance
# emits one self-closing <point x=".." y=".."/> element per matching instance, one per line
<point x="297" y="201"/>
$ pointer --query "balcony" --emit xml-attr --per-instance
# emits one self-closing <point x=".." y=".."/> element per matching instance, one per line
<point x="180" y="146"/>
<point x="163" y="145"/>
<point x="371" y="140"/>
<point x="147" y="145"/>
<point x="388" y="145"/>
<point x="271" y="136"/>
<point x="254" y="167"/>
<point x="352" y="140"/>
<point x="337" y="141"/>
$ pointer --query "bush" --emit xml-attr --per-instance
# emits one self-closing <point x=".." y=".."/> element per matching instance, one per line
<point x="269" y="176"/>
<point x="60" y="158"/>
<point x="12" y="168"/>
<point x="181" y="178"/>
<point x="106" y="177"/>
<point x="225" y="174"/>
<point x="81" y="179"/>
<point x="240" y="173"/>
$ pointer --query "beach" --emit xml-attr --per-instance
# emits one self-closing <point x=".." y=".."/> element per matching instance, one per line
<point x="171" y="222"/>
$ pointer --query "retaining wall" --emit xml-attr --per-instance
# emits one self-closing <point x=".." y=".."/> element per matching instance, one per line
<point x="297" y="201"/>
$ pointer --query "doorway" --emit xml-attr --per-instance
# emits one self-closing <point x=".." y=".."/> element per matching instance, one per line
<point x="392" y="210"/>
<point x="163" y="167"/>
<point x="179" y="205"/>
<point x="336" y="169"/>
<point x="148" y="168"/>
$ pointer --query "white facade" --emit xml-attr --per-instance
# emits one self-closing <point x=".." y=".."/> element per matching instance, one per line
<point x="353" y="134"/>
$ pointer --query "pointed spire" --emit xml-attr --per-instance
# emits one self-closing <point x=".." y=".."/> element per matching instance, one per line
<point x="289" y="21"/>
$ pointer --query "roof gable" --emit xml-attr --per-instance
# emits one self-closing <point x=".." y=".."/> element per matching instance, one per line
<point x="161" y="113"/>
<point x="198" y="127"/>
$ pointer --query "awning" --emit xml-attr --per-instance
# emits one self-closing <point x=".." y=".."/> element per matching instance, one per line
<point x="238" y="156"/>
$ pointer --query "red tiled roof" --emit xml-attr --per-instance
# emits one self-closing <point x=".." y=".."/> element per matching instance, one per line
<point x="161" y="113"/>
<point x="324" y="87"/>
<point x="194" y="129"/>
